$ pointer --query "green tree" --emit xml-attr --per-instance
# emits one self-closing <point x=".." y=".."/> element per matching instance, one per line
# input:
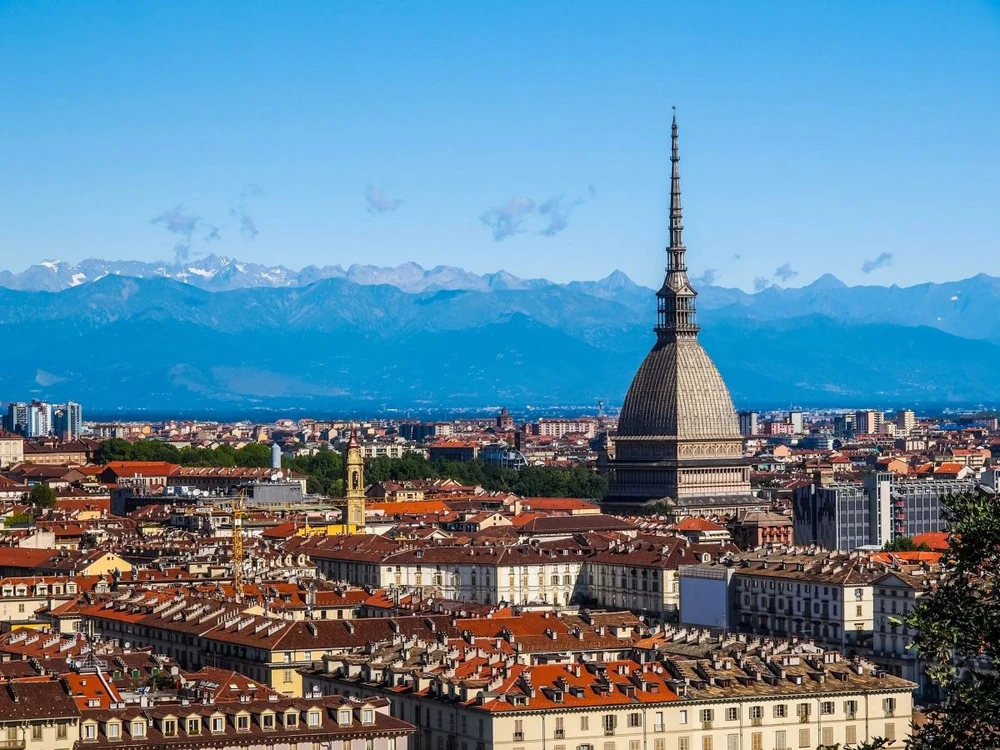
<point x="958" y="631"/>
<point x="905" y="544"/>
<point x="43" y="496"/>
<point x="324" y="471"/>
<point x="114" y="449"/>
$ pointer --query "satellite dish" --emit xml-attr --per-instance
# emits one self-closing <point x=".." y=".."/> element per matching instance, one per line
<point x="128" y="645"/>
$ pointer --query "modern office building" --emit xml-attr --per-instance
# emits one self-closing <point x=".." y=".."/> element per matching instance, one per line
<point x="849" y="515"/>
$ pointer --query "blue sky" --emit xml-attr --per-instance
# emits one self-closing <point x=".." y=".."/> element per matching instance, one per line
<point x="815" y="136"/>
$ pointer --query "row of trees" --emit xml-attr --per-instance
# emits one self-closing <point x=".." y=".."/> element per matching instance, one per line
<point x="532" y="481"/>
<point x="252" y="454"/>
<point x="325" y="468"/>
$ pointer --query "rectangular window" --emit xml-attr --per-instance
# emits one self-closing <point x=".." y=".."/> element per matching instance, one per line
<point x="732" y="713"/>
<point x="169" y="728"/>
<point x="756" y="712"/>
<point x="732" y="742"/>
<point x="706" y="743"/>
<point x="757" y="741"/>
<point x="114" y="731"/>
<point x="36" y="732"/>
<point x="138" y="730"/>
<point x="659" y="744"/>
<point x="683" y="743"/>
<point x="851" y="709"/>
<point x="286" y="676"/>
<point x="827" y="735"/>
<point x="802" y="710"/>
<point x="635" y="720"/>
<point x="889" y="706"/>
<point x="89" y="731"/>
<point x="242" y="723"/>
<point x="780" y="711"/>
<point x="682" y="717"/>
<point x="780" y="743"/>
<point x="610" y="721"/>
<point x="219" y="724"/>
<point x="584" y="724"/>
<point x="706" y="715"/>
<point x="860" y="611"/>
<point x="851" y="734"/>
<point x="804" y="738"/>
<point x="890" y="731"/>
<point x="61" y="732"/>
<point x="633" y="745"/>
<point x="826" y="708"/>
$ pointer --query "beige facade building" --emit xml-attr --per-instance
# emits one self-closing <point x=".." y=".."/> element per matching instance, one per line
<point x="753" y="698"/>
<point x="11" y="449"/>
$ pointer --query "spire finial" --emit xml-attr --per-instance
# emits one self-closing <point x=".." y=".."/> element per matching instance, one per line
<point x="676" y="260"/>
<point x="676" y="298"/>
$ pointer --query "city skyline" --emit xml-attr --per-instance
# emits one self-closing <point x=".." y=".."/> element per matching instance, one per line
<point x="818" y="140"/>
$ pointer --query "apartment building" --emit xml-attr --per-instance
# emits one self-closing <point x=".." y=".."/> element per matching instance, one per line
<point x="754" y="697"/>
<point x="896" y="593"/>
<point x="198" y="633"/>
<point x="827" y="597"/>
<point x="642" y="574"/>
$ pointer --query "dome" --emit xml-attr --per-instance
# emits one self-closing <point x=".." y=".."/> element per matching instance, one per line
<point x="678" y="393"/>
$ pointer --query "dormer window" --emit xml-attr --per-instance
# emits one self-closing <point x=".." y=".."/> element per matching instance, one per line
<point x="114" y="730"/>
<point x="267" y="721"/>
<point x="344" y="717"/>
<point x="90" y="731"/>
<point x="368" y="716"/>
<point x="218" y="724"/>
<point x="138" y="728"/>
<point x="291" y="720"/>
<point x="242" y="723"/>
<point x="194" y="725"/>
<point x="169" y="727"/>
<point x="313" y="718"/>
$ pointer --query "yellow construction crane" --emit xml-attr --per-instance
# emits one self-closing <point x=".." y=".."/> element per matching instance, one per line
<point x="237" y="514"/>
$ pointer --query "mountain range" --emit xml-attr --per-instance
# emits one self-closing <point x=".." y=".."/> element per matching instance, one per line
<point x="223" y="334"/>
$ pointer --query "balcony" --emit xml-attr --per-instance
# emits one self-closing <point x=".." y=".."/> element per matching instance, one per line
<point x="560" y="734"/>
<point x="659" y="727"/>
<point x="518" y="736"/>
<point x="706" y="725"/>
<point x="609" y="732"/>
<point x="13" y="744"/>
<point x="756" y="721"/>
<point x="803" y="718"/>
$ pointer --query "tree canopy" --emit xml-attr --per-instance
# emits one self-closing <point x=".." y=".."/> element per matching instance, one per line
<point x="905" y="544"/>
<point x="532" y="481"/>
<point x="324" y="469"/>
<point x="116" y="449"/>
<point x="958" y="631"/>
<point x="43" y="496"/>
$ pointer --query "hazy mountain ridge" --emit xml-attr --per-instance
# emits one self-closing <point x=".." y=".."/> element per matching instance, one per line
<point x="138" y="342"/>
<point x="218" y="273"/>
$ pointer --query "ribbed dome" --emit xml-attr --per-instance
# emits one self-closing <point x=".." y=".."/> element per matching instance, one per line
<point x="678" y="393"/>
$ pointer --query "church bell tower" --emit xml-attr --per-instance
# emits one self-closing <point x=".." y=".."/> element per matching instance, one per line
<point x="354" y="487"/>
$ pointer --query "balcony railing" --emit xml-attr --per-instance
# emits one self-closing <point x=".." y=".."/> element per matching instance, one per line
<point x="560" y="734"/>
<point x="609" y="732"/>
<point x="518" y="736"/>
<point x="756" y="721"/>
<point x="706" y="725"/>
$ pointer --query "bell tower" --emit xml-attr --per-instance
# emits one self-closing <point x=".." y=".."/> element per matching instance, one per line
<point x="354" y="487"/>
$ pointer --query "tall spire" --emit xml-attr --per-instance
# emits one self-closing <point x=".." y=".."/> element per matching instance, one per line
<point x="675" y="304"/>
<point x="676" y="250"/>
